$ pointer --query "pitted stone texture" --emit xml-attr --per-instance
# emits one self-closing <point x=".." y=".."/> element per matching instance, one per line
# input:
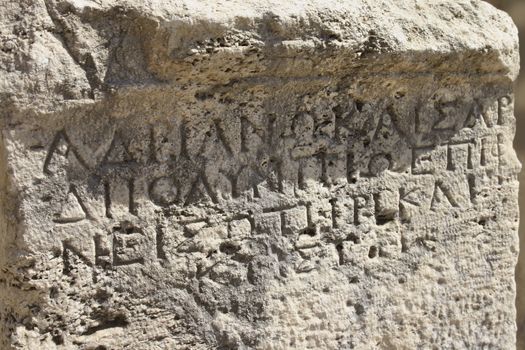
<point x="257" y="175"/>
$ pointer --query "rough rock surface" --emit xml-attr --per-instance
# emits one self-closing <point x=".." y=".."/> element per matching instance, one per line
<point x="250" y="174"/>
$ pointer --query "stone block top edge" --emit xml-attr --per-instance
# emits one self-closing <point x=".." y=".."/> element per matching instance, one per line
<point x="440" y="26"/>
<point x="78" y="50"/>
<point x="397" y="25"/>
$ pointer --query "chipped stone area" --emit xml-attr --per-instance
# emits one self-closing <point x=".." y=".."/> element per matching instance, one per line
<point x="265" y="176"/>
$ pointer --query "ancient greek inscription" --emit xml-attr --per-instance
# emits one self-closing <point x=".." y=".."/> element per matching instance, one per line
<point x="124" y="245"/>
<point x="337" y="170"/>
<point x="72" y="209"/>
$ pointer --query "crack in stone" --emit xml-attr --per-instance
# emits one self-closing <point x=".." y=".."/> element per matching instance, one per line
<point x="86" y="63"/>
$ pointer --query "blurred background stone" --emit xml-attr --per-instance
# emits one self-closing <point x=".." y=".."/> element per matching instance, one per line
<point x="516" y="8"/>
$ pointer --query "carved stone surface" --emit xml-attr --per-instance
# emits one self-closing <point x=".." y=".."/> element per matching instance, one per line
<point x="257" y="175"/>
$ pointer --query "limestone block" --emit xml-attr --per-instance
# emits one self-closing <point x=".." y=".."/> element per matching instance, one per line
<point x="250" y="174"/>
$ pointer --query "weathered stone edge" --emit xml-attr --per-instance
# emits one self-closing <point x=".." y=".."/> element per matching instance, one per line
<point x="185" y="46"/>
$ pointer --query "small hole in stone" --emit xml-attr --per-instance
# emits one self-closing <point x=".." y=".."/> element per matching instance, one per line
<point x="228" y="248"/>
<point x="58" y="338"/>
<point x="310" y="231"/>
<point x="359" y="309"/>
<point x="384" y="219"/>
<point x="53" y="292"/>
<point x="354" y="280"/>
<point x="372" y="253"/>
<point x="399" y="94"/>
